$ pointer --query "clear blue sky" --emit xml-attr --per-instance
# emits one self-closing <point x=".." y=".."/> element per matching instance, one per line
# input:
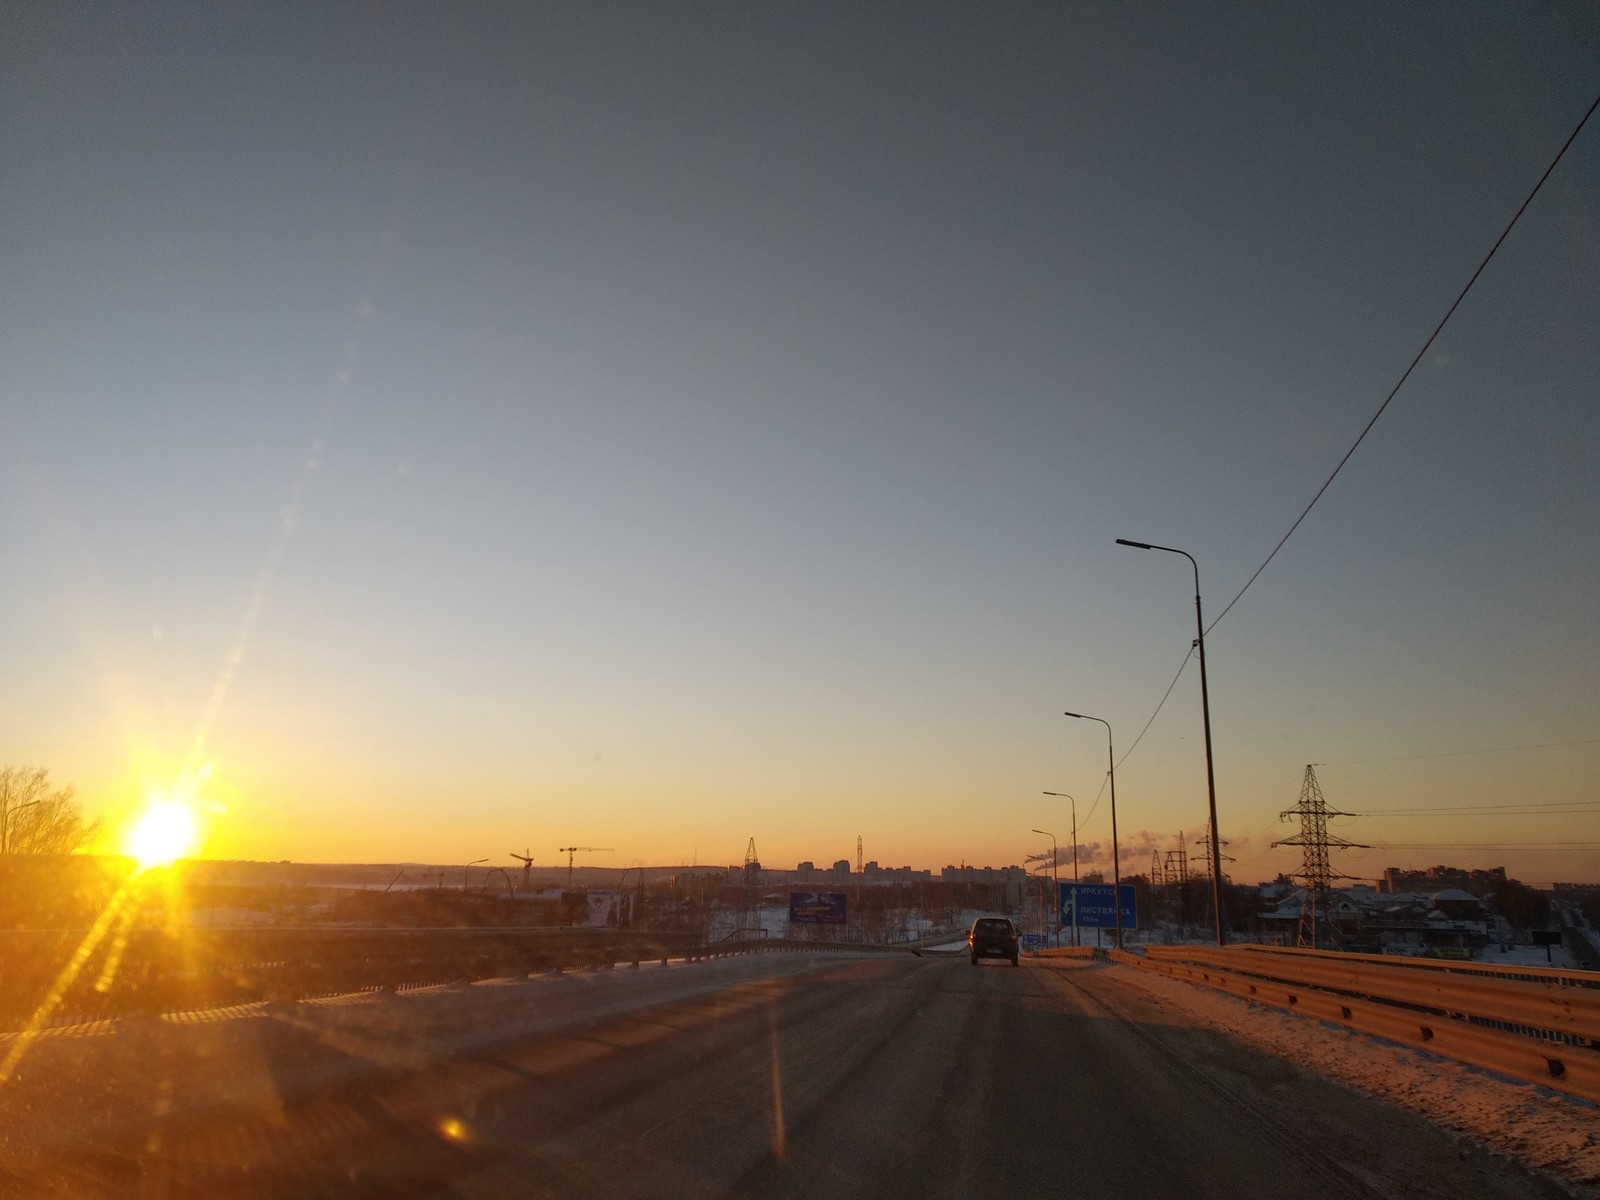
<point x="650" y="426"/>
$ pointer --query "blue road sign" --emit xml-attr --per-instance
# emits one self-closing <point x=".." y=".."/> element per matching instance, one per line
<point x="1093" y="904"/>
<point x="1033" y="941"/>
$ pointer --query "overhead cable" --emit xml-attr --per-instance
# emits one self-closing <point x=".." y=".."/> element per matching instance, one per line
<point x="1486" y="845"/>
<point x="1462" y="295"/>
<point x="1356" y="762"/>
<point x="1159" y="707"/>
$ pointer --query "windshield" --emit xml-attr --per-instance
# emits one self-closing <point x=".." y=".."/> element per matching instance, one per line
<point x="561" y="558"/>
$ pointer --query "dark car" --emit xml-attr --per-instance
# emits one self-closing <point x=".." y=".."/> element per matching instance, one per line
<point x="992" y="937"/>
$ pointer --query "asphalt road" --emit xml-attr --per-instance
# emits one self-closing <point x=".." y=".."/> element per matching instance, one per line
<point x="870" y="1076"/>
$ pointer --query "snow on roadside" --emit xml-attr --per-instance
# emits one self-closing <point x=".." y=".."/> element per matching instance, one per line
<point x="1528" y="956"/>
<point x="1532" y="1124"/>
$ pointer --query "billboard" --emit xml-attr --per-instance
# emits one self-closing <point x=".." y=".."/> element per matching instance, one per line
<point x="817" y="908"/>
<point x="1092" y="904"/>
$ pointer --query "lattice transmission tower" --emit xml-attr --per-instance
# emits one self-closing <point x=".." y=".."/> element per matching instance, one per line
<point x="1175" y="877"/>
<point x="1202" y="870"/>
<point x="1316" y="872"/>
<point x="752" y="888"/>
<point x="1177" y="863"/>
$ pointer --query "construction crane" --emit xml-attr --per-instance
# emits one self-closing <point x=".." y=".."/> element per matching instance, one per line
<point x="527" y="865"/>
<point x="573" y="851"/>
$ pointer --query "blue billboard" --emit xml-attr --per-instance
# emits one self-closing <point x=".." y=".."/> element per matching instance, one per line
<point x="817" y="908"/>
<point x="1092" y="904"/>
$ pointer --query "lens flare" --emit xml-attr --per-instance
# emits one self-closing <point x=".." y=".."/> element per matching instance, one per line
<point x="164" y="832"/>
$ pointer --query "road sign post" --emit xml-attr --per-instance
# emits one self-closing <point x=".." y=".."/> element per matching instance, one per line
<point x="1091" y="905"/>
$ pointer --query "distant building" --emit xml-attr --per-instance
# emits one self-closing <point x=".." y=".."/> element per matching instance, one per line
<point x="1458" y="905"/>
<point x="871" y="873"/>
<point x="983" y="875"/>
<point x="1434" y="879"/>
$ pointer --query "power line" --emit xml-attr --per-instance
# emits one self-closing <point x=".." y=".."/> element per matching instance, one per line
<point x="1479" y="812"/>
<point x="1159" y="707"/>
<point x="1545" y="808"/>
<point x="1096" y="803"/>
<point x="1437" y="329"/>
<point x="1355" y="762"/>
<point x="1405" y="375"/>
<point x="1486" y="845"/>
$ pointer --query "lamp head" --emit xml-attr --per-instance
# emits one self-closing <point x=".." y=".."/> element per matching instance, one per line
<point x="1135" y="545"/>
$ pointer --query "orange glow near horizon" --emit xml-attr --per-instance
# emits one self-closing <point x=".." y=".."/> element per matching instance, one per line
<point x="258" y="809"/>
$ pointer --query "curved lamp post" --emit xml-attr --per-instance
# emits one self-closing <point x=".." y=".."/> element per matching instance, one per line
<point x="1074" y="803"/>
<point x="1116" y="860"/>
<point x="1055" y="879"/>
<point x="1205" y="718"/>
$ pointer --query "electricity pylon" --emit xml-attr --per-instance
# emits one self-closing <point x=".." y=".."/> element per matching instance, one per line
<point x="1316" y="872"/>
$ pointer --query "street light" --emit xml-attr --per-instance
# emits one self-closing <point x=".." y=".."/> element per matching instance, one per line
<point x="1205" y="718"/>
<point x="1055" y="881"/>
<point x="467" y="868"/>
<point x="1116" y="860"/>
<point x="1074" y="803"/>
<point x="1044" y="888"/>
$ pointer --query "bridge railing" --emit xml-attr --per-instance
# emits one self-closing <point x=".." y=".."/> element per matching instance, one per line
<point x="1544" y="1028"/>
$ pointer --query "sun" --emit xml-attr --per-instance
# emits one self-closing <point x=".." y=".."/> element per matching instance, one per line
<point x="163" y="833"/>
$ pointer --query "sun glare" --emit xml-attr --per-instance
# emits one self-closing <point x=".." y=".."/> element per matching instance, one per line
<point x="164" y="832"/>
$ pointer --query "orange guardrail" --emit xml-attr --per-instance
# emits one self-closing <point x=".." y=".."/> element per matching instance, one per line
<point x="1558" y="1006"/>
<point x="1559" y="975"/>
<point x="1542" y="1030"/>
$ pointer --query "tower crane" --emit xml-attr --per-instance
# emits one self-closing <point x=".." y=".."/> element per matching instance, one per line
<point x="527" y="865"/>
<point x="573" y="851"/>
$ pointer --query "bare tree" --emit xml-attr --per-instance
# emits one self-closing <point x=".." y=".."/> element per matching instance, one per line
<point x="38" y="819"/>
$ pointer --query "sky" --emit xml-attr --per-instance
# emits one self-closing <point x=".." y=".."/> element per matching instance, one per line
<point x="430" y="431"/>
